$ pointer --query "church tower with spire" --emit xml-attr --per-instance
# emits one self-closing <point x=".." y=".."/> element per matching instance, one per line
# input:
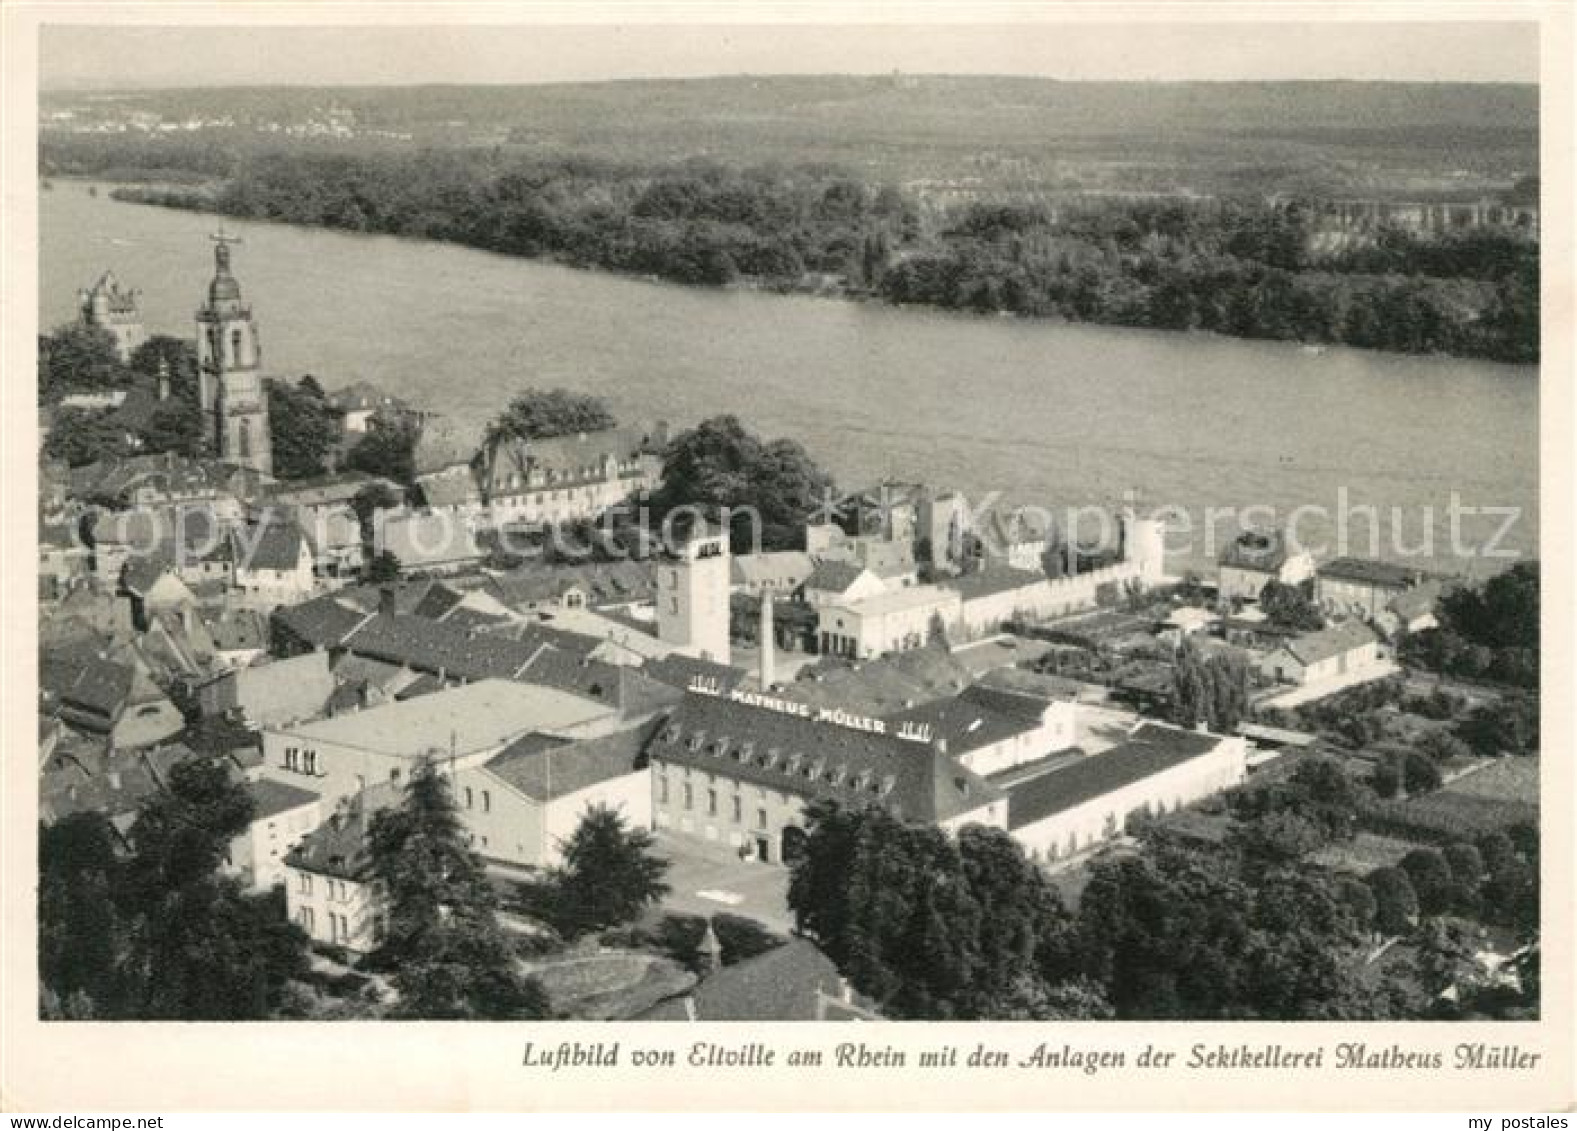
<point x="230" y="370"/>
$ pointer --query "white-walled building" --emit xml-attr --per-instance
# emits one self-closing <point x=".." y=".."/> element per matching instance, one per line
<point x="426" y="541"/>
<point x="282" y="816"/>
<point x="779" y="572"/>
<point x="894" y="621"/>
<point x="738" y="768"/>
<point x="1340" y="650"/>
<point x="836" y="581"/>
<point x="1157" y="769"/>
<point x="273" y="563"/>
<point x="330" y="890"/>
<point x="459" y="727"/>
<point x="524" y="802"/>
<point x="992" y="729"/>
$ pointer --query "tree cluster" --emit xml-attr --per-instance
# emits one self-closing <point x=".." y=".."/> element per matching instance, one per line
<point x="1237" y="268"/>
<point x="82" y="359"/>
<point x="161" y="933"/>
<point x="1291" y="606"/>
<point x="387" y="449"/>
<point x="933" y="926"/>
<point x="1493" y="879"/>
<point x="693" y="222"/>
<point x="537" y="414"/>
<point x="1181" y="932"/>
<point x="303" y="427"/>
<point x="1488" y="631"/>
<point x="1209" y="689"/>
<point x="719" y="465"/>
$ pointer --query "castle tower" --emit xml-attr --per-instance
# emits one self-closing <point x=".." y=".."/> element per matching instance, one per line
<point x="109" y="308"/>
<point x="692" y="593"/>
<point x="1144" y="545"/>
<point x="230" y="373"/>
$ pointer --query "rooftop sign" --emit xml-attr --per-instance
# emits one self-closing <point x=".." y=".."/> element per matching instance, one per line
<point x="832" y="716"/>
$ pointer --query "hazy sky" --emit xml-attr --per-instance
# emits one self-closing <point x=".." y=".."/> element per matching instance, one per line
<point x="100" y="57"/>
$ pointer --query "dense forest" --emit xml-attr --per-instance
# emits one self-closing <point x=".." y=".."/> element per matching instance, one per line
<point x="1243" y="268"/>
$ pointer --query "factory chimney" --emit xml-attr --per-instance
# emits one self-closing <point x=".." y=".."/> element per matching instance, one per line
<point x="767" y="641"/>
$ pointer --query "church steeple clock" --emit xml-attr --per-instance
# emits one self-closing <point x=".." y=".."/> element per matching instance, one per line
<point x="230" y="374"/>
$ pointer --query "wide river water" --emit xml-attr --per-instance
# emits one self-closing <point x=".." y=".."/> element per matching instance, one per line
<point x="1044" y="413"/>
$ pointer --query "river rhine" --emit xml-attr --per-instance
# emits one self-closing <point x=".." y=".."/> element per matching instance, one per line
<point x="1046" y="413"/>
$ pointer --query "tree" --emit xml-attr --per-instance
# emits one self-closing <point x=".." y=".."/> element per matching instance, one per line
<point x="173" y="426"/>
<point x="382" y="568"/>
<point x="367" y="502"/>
<point x="176" y="358"/>
<point x="1444" y="747"/>
<point x="1386" y="780"/>
<point x="719" y="465"/>
<point x="537" y="414"/>
<point x="1509" y="726"/>
<point x="303" y="428"/>
<point x="1496" y="849"/>
<point x="1359" y="900"/>
<point x="1466" y="862"/>
<point x="452" y="960"/>
<point x="197" y="947"/>
<point x="1211" y="690"/>
<point x="1511" y="898"/>
<point x="1278" y="838"/>
<point x="1419" y="773"/>
<point x="928" y="925"/>
<point x="1291" y="606"/>
<point x="78" y="931"/>
<point x="388" y="448"/>
<point x="79" y="358"/>
<point x="1446" y="956"/>
<point x="1431" y="878"/>
<point x="609" y="875"/>
<point x="1395" y="901"/>
<point x="81" y="436"/>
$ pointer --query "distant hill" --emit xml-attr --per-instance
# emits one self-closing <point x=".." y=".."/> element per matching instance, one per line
<point x="1373" y="138"/>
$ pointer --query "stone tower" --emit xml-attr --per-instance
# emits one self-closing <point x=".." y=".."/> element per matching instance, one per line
<point x="111" y="309"/>
<point x="1144" y="546"/>
<point x="230" y="370"/>
<point x="692" y="593"/>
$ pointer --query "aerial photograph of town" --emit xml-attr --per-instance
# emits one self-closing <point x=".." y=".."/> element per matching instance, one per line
<point x="592" y="534"/>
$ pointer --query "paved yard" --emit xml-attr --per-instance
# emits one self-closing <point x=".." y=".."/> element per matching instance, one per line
<point x="1309" y="692"/>
<point x="710" y="878"/>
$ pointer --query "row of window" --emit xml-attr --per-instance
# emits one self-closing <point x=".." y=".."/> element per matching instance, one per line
<point x="598" y="472"/>
<point x="301" y="761"/>
<point x="336" y="890"/>
<point x="487" y="800"/>
<point x="339" y="925"/>
<point x="737" y="804"/>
